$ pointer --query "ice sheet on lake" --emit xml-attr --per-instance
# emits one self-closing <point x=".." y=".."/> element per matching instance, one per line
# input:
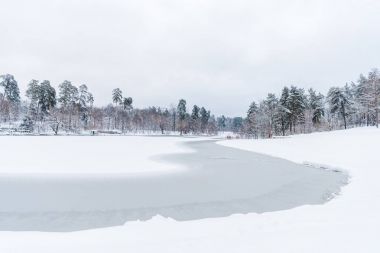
<point x="220" y="181"/>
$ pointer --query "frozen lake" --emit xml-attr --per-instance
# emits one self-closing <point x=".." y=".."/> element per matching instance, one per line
<point x="218" y="181"/>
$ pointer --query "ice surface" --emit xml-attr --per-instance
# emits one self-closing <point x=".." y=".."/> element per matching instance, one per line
<point x="349" y="223"/>
<point x="219" y="181"/>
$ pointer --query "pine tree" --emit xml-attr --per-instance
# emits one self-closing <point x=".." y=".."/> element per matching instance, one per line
<point x="68" y="94"/>
<point x="42" y="96"/>
<point x="32" y="91"/>
<point x="316" y="106"/>
<point x="47" y="97"/>
<point x="363" y="99"/>
<point x="117" y="96"/>
<point x="10" y="104"/>
<point x="252" y="120"/>
<point x="181" y="111"/>
<point x="33" y="94"/>
<point x="368" y="95"/>
<point x="205" y="116"/>
<point x="194" y="121"/>
<point x="296" y="106"/>
<point x="11" y="90"/>
<point x="127" y="103"/>
<point x="237" y="124"/>
<point x="270" y="109"/>
<point x="339" y="103"/>
<point x="374" y="92"/>
<point x="283" y="112"/>
<point x="68" y="97"/>
<point x="221" y="123"/>
<point x="85" y="101"/>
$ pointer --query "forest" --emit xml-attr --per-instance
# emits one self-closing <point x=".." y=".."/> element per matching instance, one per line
<point x="70" y="110"/>
<point x="298" y="111"/>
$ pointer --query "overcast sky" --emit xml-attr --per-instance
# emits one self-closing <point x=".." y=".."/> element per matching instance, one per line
<point x="215" y="53"/>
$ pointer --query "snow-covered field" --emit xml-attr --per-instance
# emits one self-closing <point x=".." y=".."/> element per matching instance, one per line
<point x="349" y="223"/>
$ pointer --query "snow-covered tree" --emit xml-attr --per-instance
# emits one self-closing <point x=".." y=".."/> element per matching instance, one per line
<point x="42" y="97"/>
<point x="316" y="106"/>
<point x="9" y="97"/>
<point x="251" y="123"/>
<point x="270" y="109"/>
<point x="27" y="124"/>
<point x="339" y="103"/>
<point x="283" y="112"/>
<point x="367" y="94"/>
<point x="68" y="98"/>
<point x="11" y="90"/>
<point x="296" y="106"/>
<point x="68" y="94"/>
<point x="47" y="98"/>
<point x="86" y="101"/>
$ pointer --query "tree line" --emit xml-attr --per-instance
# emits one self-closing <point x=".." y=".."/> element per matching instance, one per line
<point x="70" y="109"/>
<point x="298" y="111"/>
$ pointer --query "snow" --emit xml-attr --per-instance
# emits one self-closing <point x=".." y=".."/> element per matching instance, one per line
<point x="49" y="155"/>
<point x="349" y="223"/>
<point x="219" y="181"/>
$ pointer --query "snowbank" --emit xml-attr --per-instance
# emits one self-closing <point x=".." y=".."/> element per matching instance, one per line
<point x="349" y="223"/>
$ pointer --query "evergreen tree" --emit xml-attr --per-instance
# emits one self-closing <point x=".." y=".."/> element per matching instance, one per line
<point x="42" y="97"/>
<point x="181" y="111"/>
<point x="117" y="96"/>
<point x="127" y="103"/>
<point x="221" y="123"/>
<point x="270" y="108"/>
<point x="339" y="103"/>
<point x="47" y="97"/>
<point x="11" y="90"/>
<point x="85" y="101"/>
<point x="33" y="94"/>
<point x="237" y="124"/>
<point x="252" y="120"/>
<point x="205" y="116"/>
<point x="316" y="105"/>
<point x="362" y="97"/>
<point x="10" y="98"/>
<point x="68" y="97"/>
<point x="374" y="93"/>
<point x="296" y="106"/>
<point x="68" y="94"/>
<point x="283" y="112"/>
<point x="194" y="121"/>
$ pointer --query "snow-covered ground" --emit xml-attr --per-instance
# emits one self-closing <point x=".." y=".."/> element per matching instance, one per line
<point x="86" y="154"/>
<point x="349" y="223"/>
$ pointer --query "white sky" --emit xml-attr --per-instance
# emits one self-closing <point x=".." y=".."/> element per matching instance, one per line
<point x="215" y="53"/>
